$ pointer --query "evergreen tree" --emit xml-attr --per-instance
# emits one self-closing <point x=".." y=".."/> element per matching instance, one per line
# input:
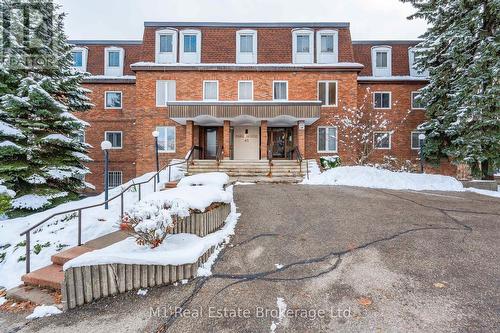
<point x="461" y="50"/>
<point x="42" y="156"/>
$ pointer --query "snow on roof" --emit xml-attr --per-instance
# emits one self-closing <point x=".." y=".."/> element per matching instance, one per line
<point x="393" y="78"/>
<point x="267" y="65"/>
<point x="108" y="77"/>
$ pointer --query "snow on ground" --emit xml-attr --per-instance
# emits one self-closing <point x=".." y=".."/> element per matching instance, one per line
<point x="44" y="311"/>
<point x="60" y="233"/>
<point x="278" y="266"/>
<point x="218" y="179"/>
<point x="484" y="192"/>
<point x="142" y="292"/>
<point x="176" y="249"/>
<point x="280" y="302"/>
<point x="3" y="300"/>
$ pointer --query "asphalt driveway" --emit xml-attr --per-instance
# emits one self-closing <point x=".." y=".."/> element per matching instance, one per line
<point x="326" y="259"/>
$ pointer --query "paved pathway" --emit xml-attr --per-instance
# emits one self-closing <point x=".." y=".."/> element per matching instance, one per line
<point x="338" y="258"/>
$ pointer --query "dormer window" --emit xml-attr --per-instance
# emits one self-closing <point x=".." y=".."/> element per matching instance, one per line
<point x="246" y="47"/>
<point x="79" y="55"/>
<point x="412" y="55"/>
<point x="166" y="46"/>
<point x="303" y="46"/>
<point x="114" y="61"/>
<point x="327" y="50"/>
<point x="382" y="61"/>
<point x="190" y="47"/>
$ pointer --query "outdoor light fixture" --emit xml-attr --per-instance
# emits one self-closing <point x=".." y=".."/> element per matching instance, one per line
<point x="106" y="146"/>
<point x="155" y="135"/>
<point x="421" y="139"/>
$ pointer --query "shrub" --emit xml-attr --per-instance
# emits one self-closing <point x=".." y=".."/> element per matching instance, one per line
<point x="330" y="162"/>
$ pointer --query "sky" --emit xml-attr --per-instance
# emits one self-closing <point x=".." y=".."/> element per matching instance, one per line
<point x="124" y="19"/>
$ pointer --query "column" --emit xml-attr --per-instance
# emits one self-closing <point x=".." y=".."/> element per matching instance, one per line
<point x="226" y="133"/>
<point x="263" y="140"/>
<point x="189" y="134"/>
<point x="301" y="137"/>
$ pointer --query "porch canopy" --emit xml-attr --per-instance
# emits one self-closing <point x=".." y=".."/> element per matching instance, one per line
<point x="282" y="113"/>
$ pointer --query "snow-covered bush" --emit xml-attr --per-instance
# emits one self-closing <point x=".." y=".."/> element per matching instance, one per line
<point x="330" y="162"/>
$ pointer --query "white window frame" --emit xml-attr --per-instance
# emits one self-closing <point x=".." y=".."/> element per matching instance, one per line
<point x="327" y="57"/>
<point x="190" y="57"/>
<point x="204" y="91"/>
<point x="390" y="100"/>
<point x="303" y="57"/>
<point x="280" y="81"/>
<point x="166" y="57"/>
<point x="390" y="140"/>
<point x="168" y="96"/>
<point x="411" y="61"/>
<point x="239" y="95"/>
<point x="113" y="71"/>
<point x="175" y="140"/>
<point x="418" y="140"/>
<point x="327" y="90"/>
<point x="121" y="138"/>
<point x="106" y="99"/>
<point x="85" y="53"/>
<point x="326" y="142"/>
<point x="412" y="99"/>
<point x="116" y="172"/>
<point x="382" y="72"/>
<point x="246" y="57"/>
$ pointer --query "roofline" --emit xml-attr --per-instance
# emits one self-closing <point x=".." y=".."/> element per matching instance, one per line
<point x="104" y="42"/>
<point x="386" y="42"/>
<point x="250" y="24"/>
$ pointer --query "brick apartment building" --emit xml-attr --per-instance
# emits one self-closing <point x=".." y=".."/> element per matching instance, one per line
<point x="248" y="88"/>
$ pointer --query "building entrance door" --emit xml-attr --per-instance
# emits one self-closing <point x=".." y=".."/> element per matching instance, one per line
<point x="280" y="140"/>
<point x="210" y="143"/>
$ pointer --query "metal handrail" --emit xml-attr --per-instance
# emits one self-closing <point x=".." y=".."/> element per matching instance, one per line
<point x="27" y="232"/>
<point x="220" y="154"/>
<point x="298" y="156"/>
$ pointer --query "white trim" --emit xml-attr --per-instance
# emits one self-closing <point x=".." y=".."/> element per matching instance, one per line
<point x="411" y="139"/>
<point x="166" y="57"/>
<point x="328" y="96"/>
<point x="326" y="139"/>
<point x="85" y="53"/>
<point x="239" y="98"/>
<point x="246" y="57"/>
<point x="190" y="57"/>
<point x="390" y="100"/>
<point x="277" y="81"/>
<point x="110" y="107"/>
<point x="303" y="57"/>
<point x="175" y="139"/>
<point x="390" y="140"/>
<point x="113" y="71"/>
<point x="386" y="72"/>
<point x="121" y="138"/>
<point x="411" y="98"/>
<point x="204" y="91"/>
<point x="327" y="57"/>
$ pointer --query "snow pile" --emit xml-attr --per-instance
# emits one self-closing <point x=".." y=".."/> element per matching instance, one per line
<point x="44" y="311"/>
<point x="378" y="178"/>
<point x="218" y="179"/>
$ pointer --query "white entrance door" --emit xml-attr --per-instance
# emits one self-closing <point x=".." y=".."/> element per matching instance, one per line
<point x="246" y="143"/>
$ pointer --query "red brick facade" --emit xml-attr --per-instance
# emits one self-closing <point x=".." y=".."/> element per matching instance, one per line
<point x="140" y="116"/>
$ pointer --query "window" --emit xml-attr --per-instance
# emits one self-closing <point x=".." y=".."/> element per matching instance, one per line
<point x="382" y="100"/>
<point x="415" y="141"/>
<point x="302" y="44"/>
<point x="280" y="90"/>
<point x="113" y="100"/>
<point x="165" y="92"/>
<point x="114" y="61"/>
<point x="79" y="57"/>
<point x="412" y="58"/>
<point x="166" y="46"/>
<point x="166" y="139"/>
<point x="416" y="101"/>
<point x="245" y="90"/>
<point x="327" y="139"/>
<point x="190" y="45"/>
<point x="382" y="61"/>
<point x="115" y="178"/>
<point x="327" y="46"/>
<point x="246" y="47"/>
<point x="115" y="138"/>
<point x="327" y="93"/>
<point x="382" y="140"/>
<point x="210" y="90"/>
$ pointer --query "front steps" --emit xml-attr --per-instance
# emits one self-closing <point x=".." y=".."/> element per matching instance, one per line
<point x="254" y="171"/>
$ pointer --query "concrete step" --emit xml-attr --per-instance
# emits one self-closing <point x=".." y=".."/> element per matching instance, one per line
<point x="63" y="257"/>
<point x="47" y="277"/>
<point x="36" y="295"/>
<point x="266" y="180"/>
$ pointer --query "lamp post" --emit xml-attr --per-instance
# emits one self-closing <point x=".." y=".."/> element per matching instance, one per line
<point x="155" y="135"/>
<point x="106" y="146"/>
<point x="421" y="139"/>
